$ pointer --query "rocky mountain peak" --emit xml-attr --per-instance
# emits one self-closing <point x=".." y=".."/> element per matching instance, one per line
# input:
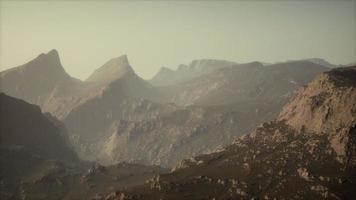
<point x="52" y="53"/>
<point x="36" y="78"/>
<point x="47" y="61"/>
<point x="112" y="70"/>
<point x="121" y="60"/>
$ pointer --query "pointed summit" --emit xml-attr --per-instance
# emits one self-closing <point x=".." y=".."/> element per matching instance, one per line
<point x="50" y="59"/>
<point x="35" y="78"/>
<point x="45" y="64"/>
<point x="112" y="70"/>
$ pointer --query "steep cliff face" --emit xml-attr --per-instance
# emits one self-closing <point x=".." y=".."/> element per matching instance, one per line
<point x="292" y="157"/>
<point x="326" y="106"/>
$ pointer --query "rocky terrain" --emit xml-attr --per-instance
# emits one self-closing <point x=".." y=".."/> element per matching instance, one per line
<point x="37" y="161"/>
<point x="308" y="152"/>
<point x="116" y="116"/>
<point x="185" y="122"/>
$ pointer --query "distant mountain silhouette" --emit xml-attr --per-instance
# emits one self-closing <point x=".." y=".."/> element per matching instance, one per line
<point x="196" y="68"/>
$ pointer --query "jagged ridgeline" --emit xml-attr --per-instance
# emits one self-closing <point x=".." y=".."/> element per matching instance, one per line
<point x="308" y="152"/>
<point x="190" y="120"/>
<point x="116" y="116"/>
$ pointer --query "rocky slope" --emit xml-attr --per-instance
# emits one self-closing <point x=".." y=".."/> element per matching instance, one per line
<point x="37" y="161"/>
<point x="326" y="106"/>
<point x="292" y="157"/>
<point x="126" y="97"/>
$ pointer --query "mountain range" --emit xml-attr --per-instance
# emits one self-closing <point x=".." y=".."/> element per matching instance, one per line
<point x="307" y="152"/>
<point x="104" y="137"/>
<point x="116" y="116"/>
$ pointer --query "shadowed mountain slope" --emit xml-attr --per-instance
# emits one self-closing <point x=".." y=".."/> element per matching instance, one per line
<point x="23" y="125"/>
<point x="37" y="161"/>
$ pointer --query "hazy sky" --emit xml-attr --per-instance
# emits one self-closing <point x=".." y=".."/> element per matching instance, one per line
<point x="159" y="33"/>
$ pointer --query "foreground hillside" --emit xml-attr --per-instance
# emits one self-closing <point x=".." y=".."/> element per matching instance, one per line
<point x="308" y="152"/>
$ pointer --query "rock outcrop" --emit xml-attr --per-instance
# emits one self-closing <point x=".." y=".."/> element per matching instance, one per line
<point x="326" y="106"/>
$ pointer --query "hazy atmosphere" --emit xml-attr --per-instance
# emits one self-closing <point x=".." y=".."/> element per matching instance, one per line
<point x="159" y="33"/>
<point x="168" y="100"/>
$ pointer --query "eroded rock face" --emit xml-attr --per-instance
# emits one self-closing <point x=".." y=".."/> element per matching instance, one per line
<point x="288" y="158"/>
<point x="326" y="106"/>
